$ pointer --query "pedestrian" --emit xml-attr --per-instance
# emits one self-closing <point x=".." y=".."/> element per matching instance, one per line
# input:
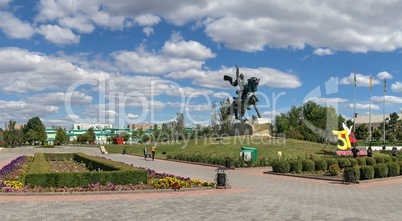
<point x="153" y="150"/>
<point x="369" y="152"/>
<point x="394" y="151"/>
<point x="145" y="153"/>
<point x="355" y="151"/>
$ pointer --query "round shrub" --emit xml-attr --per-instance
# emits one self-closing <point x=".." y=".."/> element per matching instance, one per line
<point x="400" y="166"/>
<point x="296" y="166"/>
<point x="379" y="159"/>
<point x="334" y="169"/>
<point x="370" y="161"/>
<point x="308" y="165"/>
<point x="281" y="166"/>
<point x="393" y="169"/>
<point x="321" y="164"/>
<point x="331" y="161"/>
<point x="366" y="172"/>
<point x="387" y="159"/>
<point x="380" y="170"/>
<point x="353" y="162"/>
<point x="344" y="162"/>
<point x="361" y="161"/>
<point x="394" y="159"/>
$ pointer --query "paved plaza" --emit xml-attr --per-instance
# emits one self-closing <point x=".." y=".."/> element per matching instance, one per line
<point x="253" y="196"/>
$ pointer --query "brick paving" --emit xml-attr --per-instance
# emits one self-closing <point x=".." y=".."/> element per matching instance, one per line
<point x="254" y="196"/>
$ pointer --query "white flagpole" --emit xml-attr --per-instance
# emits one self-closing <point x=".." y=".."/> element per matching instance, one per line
<point x="354" y="104"/>
<point x="383" y="108"/>
<point x="370" y="86"/>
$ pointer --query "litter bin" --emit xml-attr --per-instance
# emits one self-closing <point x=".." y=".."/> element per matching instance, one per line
<point x="348" y="175"/>
<point x="221" y="178"/>
<point x="249" y="153"/>
<point x="227" y="162"/>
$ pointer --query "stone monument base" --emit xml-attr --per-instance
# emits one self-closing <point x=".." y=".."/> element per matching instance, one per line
<point x="257" y="127"/>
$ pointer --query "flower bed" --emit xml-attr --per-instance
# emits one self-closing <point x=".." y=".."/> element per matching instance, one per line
<point x="12" y="179"/>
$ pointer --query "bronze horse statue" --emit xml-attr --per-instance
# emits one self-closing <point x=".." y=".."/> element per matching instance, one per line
<point x="239" y="106"/>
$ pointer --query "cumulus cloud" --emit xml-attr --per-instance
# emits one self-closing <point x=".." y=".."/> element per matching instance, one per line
<point x="384" y="75"/>
<point x="79" y="23"/>
<point x="177" y="47"/>
<point x="389" y="100"/>
<point x="58" y="35"/>
<point x="323" y="51"/>
<point x="22" y="111"/>
<point x="361" y="80"/>
<point x="324" y="101"/>
<point x="396" y="87"/>
<point x="14" y="27"/>
<point x="364" y="106"/>
<point x="59" y="98"/>
<point x="268" y="77"/>
<point x="147" y="20"/>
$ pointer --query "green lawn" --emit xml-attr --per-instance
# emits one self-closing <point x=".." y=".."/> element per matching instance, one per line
<point x="229" y="146"/>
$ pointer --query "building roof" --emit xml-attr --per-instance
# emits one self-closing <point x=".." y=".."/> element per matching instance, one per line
<point x="378" y="118"/>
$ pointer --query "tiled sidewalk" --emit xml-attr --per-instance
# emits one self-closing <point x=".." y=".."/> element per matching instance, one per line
<point x="254" y="196"/>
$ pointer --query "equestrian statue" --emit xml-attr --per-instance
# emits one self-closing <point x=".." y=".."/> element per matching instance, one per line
<point x="245" y="95"/>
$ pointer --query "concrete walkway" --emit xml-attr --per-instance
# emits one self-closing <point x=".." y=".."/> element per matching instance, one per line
<point x="253" y="196"/>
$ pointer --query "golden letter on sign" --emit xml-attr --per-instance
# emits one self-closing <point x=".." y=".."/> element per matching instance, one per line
<point x="343" y="139"/>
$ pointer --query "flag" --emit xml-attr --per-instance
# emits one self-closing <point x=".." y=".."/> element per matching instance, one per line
<point x="385" y="85"/>
<point x="355" y="77"/>
<point x="371" y="82"/>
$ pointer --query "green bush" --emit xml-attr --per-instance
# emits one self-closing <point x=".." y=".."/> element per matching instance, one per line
<point x="366" y="172"/>
<point x="321" y="164"/>
<point x="393" y="169"/>
<point x="308" y="165"/>
<point x="361" y="161"/>
<point x="380" y="170"/>
<point x="334" y="169"/>
<point x="370" y="161"/>
<point x="400" y="166"/>
<point x="331" y="161"/>
<point x="353" y="162"/>
<point x="379" y="159"/>
<point x="295" y="166"/>
<point x="388" y="159"/>
<point x="356" y="172"/>
<point x="344" y="162"/>
<point x="394" y="159"/>
<point x="281" y="166"/>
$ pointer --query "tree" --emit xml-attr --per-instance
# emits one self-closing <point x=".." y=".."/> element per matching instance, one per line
<point x="180" y="128"/>
<point x="91" y="134"/>
<point x="84" y="138"/>
<point x="11" y="134"/>
<point x="225" y="120"/>
<point x="61" y="136"/>
<point x="376" y="134"/>
<point x="362" y="132"/>
<point x="34" y="131"/>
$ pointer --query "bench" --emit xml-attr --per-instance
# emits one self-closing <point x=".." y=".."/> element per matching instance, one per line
<point x="103" y="150"/>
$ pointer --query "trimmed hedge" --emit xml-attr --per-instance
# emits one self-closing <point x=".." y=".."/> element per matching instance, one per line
<point x="388" y="159"/>
<point x="117" y="173"/>
<point x="379" y="159"/>
<point x="308" y="165"/>
<point x="380" y="170"/>
<point x="366" y="172"/>
<point x="370" y="161"/>
<point x="295" y="166"/>
<point x="344" y="162"/>
<point x="353" y="162"/>
<point x="321" y="164"/>
<point x="356" y="172"/>
<point x="361" y="161"/>
<point x="400" y="165"/>
<point x="393" y="169"/>
<point x="281" y="166"/>
<point x="331" y="161"/>
<point x="334" y="169"/>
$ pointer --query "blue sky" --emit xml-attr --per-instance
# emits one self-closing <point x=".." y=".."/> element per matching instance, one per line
<point x="123" y="62"/>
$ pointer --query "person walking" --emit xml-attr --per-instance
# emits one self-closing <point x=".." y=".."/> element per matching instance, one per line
<point x="355" y="151"/>
<point x="369" y="151"/>
<point x="145" y="153"/>
<point x="153" y="150"/>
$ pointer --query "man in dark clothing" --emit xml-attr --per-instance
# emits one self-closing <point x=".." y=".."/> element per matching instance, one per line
<point x="355" y="151"/>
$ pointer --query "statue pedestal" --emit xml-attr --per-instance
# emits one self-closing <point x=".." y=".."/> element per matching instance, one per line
<point x="258" y="127"/>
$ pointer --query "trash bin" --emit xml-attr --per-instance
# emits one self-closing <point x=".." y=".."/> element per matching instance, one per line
<point x="227" y="162"/>
<point x="220" y="178"/>
<point x="249" y="152"/>
<point x="348" y="175"/>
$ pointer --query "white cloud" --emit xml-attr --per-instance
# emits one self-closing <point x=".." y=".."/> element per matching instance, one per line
<point x="148" y="30"/>
<point x="268" y="77"/>
<point x="147" y="20"/>
<point x="59" y="98"/>
<point x="4" y="3"/>
<point x="58" y="35"/>
<point x="389" y="100"/>
<point x="364" y="106"/>
<point x="384" y="75"/>
<point x="79" y="23"/>
<point x="397" y="87"/>
<point x="13" y="27"/>
<point x="324" y="101"/>
<point x="323" y="51"/>
<point x="22" y="111"/>
<point x="176" y="47"/>
<point x="361" y="80"/>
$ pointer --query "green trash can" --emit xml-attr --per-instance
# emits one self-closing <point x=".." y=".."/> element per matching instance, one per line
<point x="251" y="152"/>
